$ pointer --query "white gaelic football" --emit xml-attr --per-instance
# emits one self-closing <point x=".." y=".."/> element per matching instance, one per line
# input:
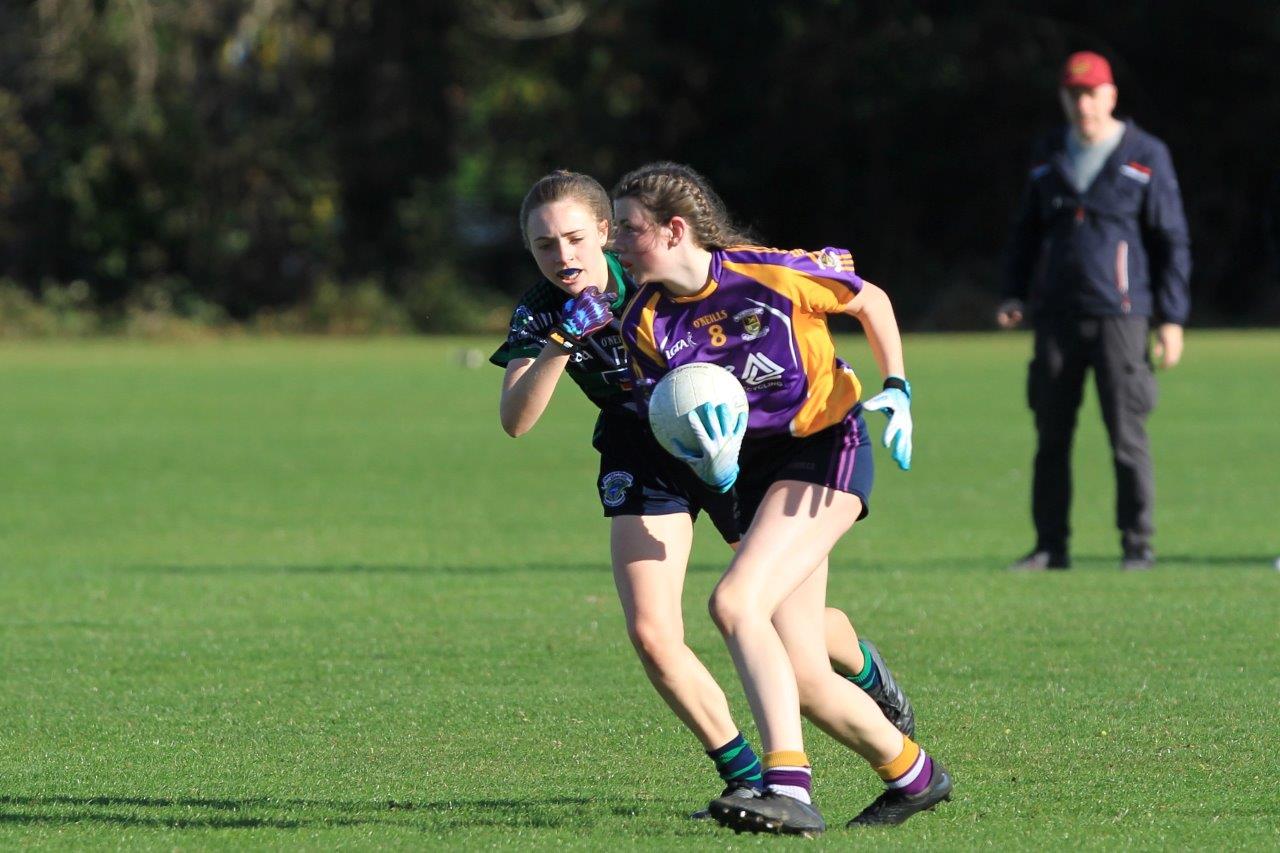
<point x="683" y="390"/>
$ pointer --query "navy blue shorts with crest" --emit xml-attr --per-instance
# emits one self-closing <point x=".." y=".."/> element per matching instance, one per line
<point x="638" y="477"/>
<point x="838" y="457"/>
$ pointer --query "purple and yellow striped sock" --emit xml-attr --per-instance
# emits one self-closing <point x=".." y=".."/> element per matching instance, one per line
<point x="787" y="772"/>
<point x="910" y="772"/>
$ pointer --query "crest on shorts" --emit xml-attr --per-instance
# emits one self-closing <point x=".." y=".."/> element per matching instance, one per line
<point x="613" y="487"/>
<point x="752" y="321"/>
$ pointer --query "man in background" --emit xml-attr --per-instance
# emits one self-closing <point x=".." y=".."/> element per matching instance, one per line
<point x="1099" y="254"/>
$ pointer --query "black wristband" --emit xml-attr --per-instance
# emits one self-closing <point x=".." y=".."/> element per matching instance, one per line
<point x="898" y="382"/>
<point x="562" y="340"/>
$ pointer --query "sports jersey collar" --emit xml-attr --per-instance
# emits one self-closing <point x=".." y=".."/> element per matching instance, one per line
<point x="618" y="277"/>
<point x="707" y="289"/>
<point x="713" y="281"/>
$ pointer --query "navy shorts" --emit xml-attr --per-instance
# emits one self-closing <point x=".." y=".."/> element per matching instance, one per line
<point x="838" y="457"/>
<point x="638" y="477"/>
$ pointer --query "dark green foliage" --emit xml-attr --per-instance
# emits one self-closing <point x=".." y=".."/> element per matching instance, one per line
<point x="244" y="153"/>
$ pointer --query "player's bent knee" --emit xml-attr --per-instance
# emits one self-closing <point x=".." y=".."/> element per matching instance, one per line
<point x="657" y="643"/>
<point x="837" y="619"/>
<point x="730" y="610"/>
<point x="723" y="611"/>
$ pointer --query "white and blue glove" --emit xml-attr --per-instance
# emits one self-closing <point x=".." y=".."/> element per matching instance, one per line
<point x="895" y="402"/>
<point x="719" y="432"/>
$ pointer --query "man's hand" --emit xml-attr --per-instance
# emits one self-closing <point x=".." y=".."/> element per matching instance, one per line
<point x="896" y="404"/>
<point x="1168" y="346"/>
<point x="1009" y="314"/>
<point x="719" y="434"/>
<point x="586" y="313"/>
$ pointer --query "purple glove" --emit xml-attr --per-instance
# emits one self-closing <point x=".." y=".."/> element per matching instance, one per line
<point x="588" y="312"/>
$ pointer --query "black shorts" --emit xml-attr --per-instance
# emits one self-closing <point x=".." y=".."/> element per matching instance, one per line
<point x="838" y="457"/>
<point x="638" y="477"/>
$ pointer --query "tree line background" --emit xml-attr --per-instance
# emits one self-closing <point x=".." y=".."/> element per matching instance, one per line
<point x="354" y="165"/>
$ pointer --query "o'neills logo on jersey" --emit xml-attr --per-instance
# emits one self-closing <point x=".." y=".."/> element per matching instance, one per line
<point x="708" y="319"/>
<point x="752" y="321"/>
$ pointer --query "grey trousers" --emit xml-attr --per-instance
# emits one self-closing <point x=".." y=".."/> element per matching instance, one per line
<point x="1116" y="349"/>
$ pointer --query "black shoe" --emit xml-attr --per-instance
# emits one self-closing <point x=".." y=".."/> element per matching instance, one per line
<point x="1138" y="559"/>
<point x="769" y="812"/>
<point x="893" y="807"/>
<point x="734" y="792"/>
<point x="888" y="695"/>
<point x="1041" y="560"/>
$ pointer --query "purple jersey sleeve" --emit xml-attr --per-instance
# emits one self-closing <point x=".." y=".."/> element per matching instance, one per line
<point x="821" y="282"/>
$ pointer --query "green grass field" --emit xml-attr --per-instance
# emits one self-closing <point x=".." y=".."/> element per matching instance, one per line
<point x="307" y="594"/>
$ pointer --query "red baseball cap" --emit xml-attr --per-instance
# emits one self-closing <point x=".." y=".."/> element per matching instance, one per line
<point x="1086" y="68"/>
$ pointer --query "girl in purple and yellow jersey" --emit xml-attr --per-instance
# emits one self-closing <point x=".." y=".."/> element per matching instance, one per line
<point x="564" y="324"/>
<point x="803" y="476"/>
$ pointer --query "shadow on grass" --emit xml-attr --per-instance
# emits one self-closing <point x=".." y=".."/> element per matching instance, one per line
<point x="375" y="569"/>
<point x="269" y="813"/>
<point x="1245" y="560"/>
<point x="1000" y="563"/>
<point x="978" y="564"/>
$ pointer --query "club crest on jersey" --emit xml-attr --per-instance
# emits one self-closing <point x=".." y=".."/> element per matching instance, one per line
<point x="827" y="259"/>
<point x="614" y="486"/>
<point x="520" y="318"/>
<point x="752" y="321"/>
<point x="761" y="371"/>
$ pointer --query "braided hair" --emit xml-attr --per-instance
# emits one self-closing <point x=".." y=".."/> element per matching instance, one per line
<point x="668" y="189"/>
<point x="563" y="185"/>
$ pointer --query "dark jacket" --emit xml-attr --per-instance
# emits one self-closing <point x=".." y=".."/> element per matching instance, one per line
<point x="1120" y="247"/>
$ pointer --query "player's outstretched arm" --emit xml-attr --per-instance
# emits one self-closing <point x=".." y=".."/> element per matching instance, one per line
<point x="874" y="310"/>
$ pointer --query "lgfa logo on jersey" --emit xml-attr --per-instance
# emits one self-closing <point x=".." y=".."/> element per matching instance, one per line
<point x="759" y="370"/>
<point x="683" y="343"/>
<point x="752" y="323"/>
